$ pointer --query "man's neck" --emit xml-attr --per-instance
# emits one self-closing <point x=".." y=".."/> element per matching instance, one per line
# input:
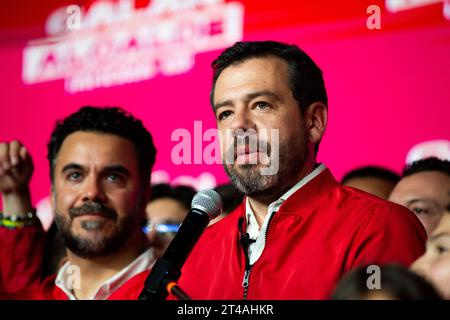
<point x="94" y="272"/>
<point x="260" y="203"/>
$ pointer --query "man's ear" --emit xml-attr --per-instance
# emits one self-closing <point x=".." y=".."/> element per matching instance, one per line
<point x="316" y="121"/>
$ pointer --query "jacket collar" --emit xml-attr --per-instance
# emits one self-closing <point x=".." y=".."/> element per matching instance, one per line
<point x="311" y="192"/>
<point x="304" y="193"/>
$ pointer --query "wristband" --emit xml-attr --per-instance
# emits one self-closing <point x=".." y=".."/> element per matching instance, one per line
<point x="15" y="222"/>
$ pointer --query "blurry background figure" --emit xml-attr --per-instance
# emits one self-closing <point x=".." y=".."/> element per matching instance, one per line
<point x="434" y="265"/>
<point x="166" y="210"/>
<point x="396" y="283"/>
<point x="432" y="148"/>
<point x="372" y="179"/>
<point x="425" y="189"/>
<point x="54" y="253"/>
<point x="45" y="213"/>
<point x="231" y="198"/>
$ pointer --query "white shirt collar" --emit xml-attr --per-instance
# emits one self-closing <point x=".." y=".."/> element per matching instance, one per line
<point x="256" y="248"/>
<point x="68" y="277"/>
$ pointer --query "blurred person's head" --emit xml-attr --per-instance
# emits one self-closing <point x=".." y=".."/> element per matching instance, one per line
<point x="372" y="179"/>
<point x="434" y="264"/>
<point x="231" y="199"/>
<point x="54" y="252"/>
<point x="165" y="212"/>
<point x="424" y="189"/>
<point x="395" y="283"/>
<point x="100" y="163"/>
<point x="273" y="89"/>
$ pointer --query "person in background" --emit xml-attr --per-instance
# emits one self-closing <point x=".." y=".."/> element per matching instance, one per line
<point x="434" y="265"/>
<point x="100" y="164"/>
<point x="164" y="213"/>
<point x="55" y="252"/>
<point x="231" y="199"/>
<point x="375" y="180"/>
<point x="425" y="190"/>
<point x="395" y="282"/>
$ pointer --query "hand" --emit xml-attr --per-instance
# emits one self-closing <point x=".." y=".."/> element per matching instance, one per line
<point x="16" y="169"/>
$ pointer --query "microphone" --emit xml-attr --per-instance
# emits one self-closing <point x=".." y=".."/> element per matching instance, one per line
<point x="245" y="241"/>
<point x="205" y="206"/>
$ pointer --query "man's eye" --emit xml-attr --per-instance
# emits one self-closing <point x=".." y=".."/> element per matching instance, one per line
<point x="262" y="105"/>
<point x="114" y="178"/>
<point x="417" y="210"/>
<point x="223" y="115"/>
<point x="74" y="176"/>
<point x="441" y="249"/>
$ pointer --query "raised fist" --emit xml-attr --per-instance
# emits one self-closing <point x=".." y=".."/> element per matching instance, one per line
<point x="16" y="167"/>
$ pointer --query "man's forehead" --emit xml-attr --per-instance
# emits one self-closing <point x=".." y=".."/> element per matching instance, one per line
<point x="84" y="148"/>
<point x="250" y="72"/>
<point x="254" y="66"/>
<point x="426" y="177"/>
<point x="424" y="183"/>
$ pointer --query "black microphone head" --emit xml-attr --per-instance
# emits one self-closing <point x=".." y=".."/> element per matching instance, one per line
<point x="208" y="201"/>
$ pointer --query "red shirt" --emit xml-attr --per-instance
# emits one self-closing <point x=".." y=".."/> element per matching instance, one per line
<point x="319" y="233"/>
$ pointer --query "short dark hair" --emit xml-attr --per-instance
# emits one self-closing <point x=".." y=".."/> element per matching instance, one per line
<point x="112" y="120"/>
<point x="427" y="164"/>
<point x="304" y="76"/>
<point x="183" y="194"/>
<point x="372" y="172"/>
<point x="395" y="280"/>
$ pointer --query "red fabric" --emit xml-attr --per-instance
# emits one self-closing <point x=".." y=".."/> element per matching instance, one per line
<point x="21" y="252"/>
<point x="47" y="290"/>
<point x="320" y="232"/>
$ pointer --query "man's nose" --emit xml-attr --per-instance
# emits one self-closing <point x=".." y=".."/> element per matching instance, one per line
<point x="420" y="266"/>
<point x="93" y="190"/>
<point x="242" y="120"/>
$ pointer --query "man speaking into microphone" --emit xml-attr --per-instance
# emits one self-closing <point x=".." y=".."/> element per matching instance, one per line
<point x="298" y="230"/>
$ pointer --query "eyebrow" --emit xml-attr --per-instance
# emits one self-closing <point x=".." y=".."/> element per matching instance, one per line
<point x="72" y="166"/>
<point x="112" y="168"/>
<point x="439" y="235"/>
<point x="247" y="98"/>
<point x="118" y="168"/>
<point x="412" y="201"/>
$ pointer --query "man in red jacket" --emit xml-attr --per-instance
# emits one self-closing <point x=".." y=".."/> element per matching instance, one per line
<point x="298" y="230"/>
<point x="100" y="165"/>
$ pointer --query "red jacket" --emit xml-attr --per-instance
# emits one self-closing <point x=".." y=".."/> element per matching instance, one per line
<point x="319" y="233"/>
<point x="21" y="253"/>
<point x="47" y="290"/>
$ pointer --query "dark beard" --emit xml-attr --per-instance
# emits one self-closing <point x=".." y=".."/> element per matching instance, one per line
<point x="249" y="180"/>
<point x="97" y="245"/>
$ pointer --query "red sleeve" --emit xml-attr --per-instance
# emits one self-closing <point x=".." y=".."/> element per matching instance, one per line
<point x="21" y="253"/>
<point x="392" y="234"/>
